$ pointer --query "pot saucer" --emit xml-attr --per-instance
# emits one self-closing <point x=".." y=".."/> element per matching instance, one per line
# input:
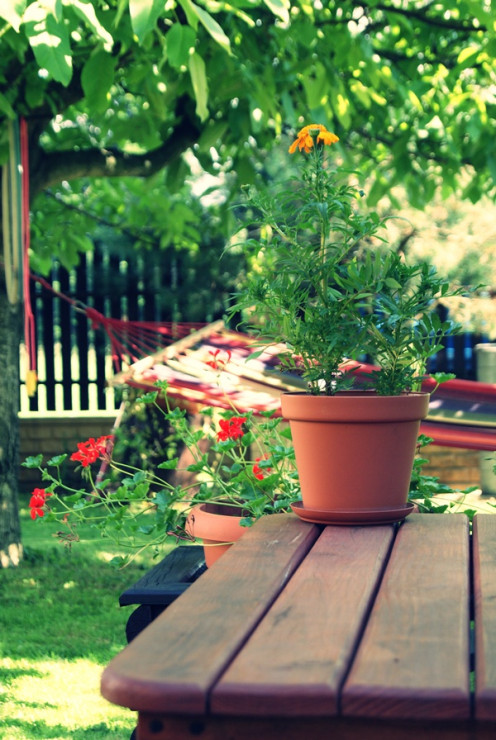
<point x="342" y="517"/>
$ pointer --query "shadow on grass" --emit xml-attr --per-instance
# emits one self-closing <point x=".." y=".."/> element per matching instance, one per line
<point x="11" y="674"/>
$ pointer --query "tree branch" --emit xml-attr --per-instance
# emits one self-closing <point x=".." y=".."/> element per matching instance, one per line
<point x="438" y="22"/>
<point x="53" y="167"/>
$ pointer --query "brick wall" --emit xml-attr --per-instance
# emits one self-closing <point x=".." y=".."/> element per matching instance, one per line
<point x="456" y="467"/>
<point x="54" y="434"/>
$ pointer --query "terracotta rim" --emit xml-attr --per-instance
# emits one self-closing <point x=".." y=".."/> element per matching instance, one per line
<point x="355" y="406"/>
<point x="214" y="525"/>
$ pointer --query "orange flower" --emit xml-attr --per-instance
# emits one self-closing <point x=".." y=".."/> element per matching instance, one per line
<point x="304" y="140"/>
<point x="327" y="138"/>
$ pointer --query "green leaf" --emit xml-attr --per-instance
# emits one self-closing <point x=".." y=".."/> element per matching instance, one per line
<point x="57" y="460"/>
<point x="442" y="377"/>
<point x="74" y="498"/>
<point x="86" y="11"/>
<point x="97" y="78"/>
<point x="149" y="397"/>
<point x="392" y="283"/>
<point x="5" y="107"/>
<point x="33" y="461"/>
<point x="144" y="15"/>
<point x="49" y="41"/>
<point x="169" y="464"/>
<point x="211" y="26"/>
<point x="280" y="8"/>
<point x="200" y="86"/>
<point x="146" y="529"/>
<point x="468" y="55"/>
<point x="117" y="562"/>
<point x="179" y="42"/>
<point x="11" y="11"/>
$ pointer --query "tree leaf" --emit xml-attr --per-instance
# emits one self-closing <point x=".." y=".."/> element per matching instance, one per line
<point x="200" y="86"/>
<point x="49" y="41"/>
<point x="97" y="78"/>
<point x="144" y="15"/>
<point x="207" y="22"/>
<point x="86" y="11"/>
<point x="280" y="8"/>
<point x="11" y="11"/>
<point x="179" y="42"/>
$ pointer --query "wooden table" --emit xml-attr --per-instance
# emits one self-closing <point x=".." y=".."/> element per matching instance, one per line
<point x="302" y="631"/>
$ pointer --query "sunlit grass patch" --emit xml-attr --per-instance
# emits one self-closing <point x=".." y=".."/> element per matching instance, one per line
<point x="57" y="699"/>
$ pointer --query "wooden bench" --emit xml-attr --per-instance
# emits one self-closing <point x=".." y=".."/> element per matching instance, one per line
<point x="161" y="585"/>
<point x="308" y="632"/>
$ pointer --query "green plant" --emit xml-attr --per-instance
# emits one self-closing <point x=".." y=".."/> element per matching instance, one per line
<point x="325" y="287"/>
<point x="432" y="496"/>
<point x="245" y="460"/>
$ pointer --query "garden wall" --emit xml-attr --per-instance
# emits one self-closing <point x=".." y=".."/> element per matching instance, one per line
<point x="54" y="434"/>
<point x="456" y="467"/>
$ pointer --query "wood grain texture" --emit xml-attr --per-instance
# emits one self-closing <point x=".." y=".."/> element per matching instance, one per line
<point x="172" y="664"/>
<point x="413" y="661"/>
<point x="303" y="728"/>
<point x="295" y="661"/>
<point x="484" y="544"/>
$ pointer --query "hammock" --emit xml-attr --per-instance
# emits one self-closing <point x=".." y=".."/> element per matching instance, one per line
<point x="211" y="367"/>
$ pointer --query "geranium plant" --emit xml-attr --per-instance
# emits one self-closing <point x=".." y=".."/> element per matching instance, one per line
<point x="326" y="286"/>
<point x="245" y="460"/>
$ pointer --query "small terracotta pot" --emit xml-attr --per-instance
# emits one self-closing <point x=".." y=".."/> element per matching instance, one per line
<point x="354" y="450"/>
<point x="217" y="525"/>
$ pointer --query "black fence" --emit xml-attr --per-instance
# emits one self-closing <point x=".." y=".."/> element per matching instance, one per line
<point x="74" y="354"/>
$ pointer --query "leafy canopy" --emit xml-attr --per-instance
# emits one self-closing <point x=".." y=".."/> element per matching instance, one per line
<point x="414" y="83"/>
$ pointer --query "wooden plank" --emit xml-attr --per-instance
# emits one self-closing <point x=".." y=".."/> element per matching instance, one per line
<point x="152" y="727"/>
<point x="295" y="661"/>
<point x="413" y="661"/>
<point x="174" y="662"/>
<point x="484" y="544"/>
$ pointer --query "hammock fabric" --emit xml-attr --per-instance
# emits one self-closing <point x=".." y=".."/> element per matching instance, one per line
<point x="130" y="341"/>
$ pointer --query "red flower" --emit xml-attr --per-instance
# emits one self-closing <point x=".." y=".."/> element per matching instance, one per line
<point x="218" y="363"/>
<point x="91" y="450"/>
<point x="257" y="470"/>
<point x="231" y="428"/>
<point x="37" y="502"/>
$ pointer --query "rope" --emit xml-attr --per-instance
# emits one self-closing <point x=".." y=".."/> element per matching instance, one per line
<point x="132" y="340"/>
<point x="29" y="321"/>
<point x="11" y="215"/>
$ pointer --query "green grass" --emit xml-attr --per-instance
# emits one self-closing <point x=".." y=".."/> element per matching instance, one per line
<point x="60" y="624"/>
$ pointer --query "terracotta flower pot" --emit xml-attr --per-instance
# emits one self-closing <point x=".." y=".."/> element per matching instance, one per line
<point x="355" y="450"/>
<point x="217" y="525"/>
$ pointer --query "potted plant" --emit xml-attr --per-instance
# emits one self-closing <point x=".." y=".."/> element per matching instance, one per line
<point x="326" y="287"/>
<point x="240" y="464"/>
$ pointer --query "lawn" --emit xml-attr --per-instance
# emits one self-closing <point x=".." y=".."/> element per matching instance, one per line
<point x="60" y="624"/>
